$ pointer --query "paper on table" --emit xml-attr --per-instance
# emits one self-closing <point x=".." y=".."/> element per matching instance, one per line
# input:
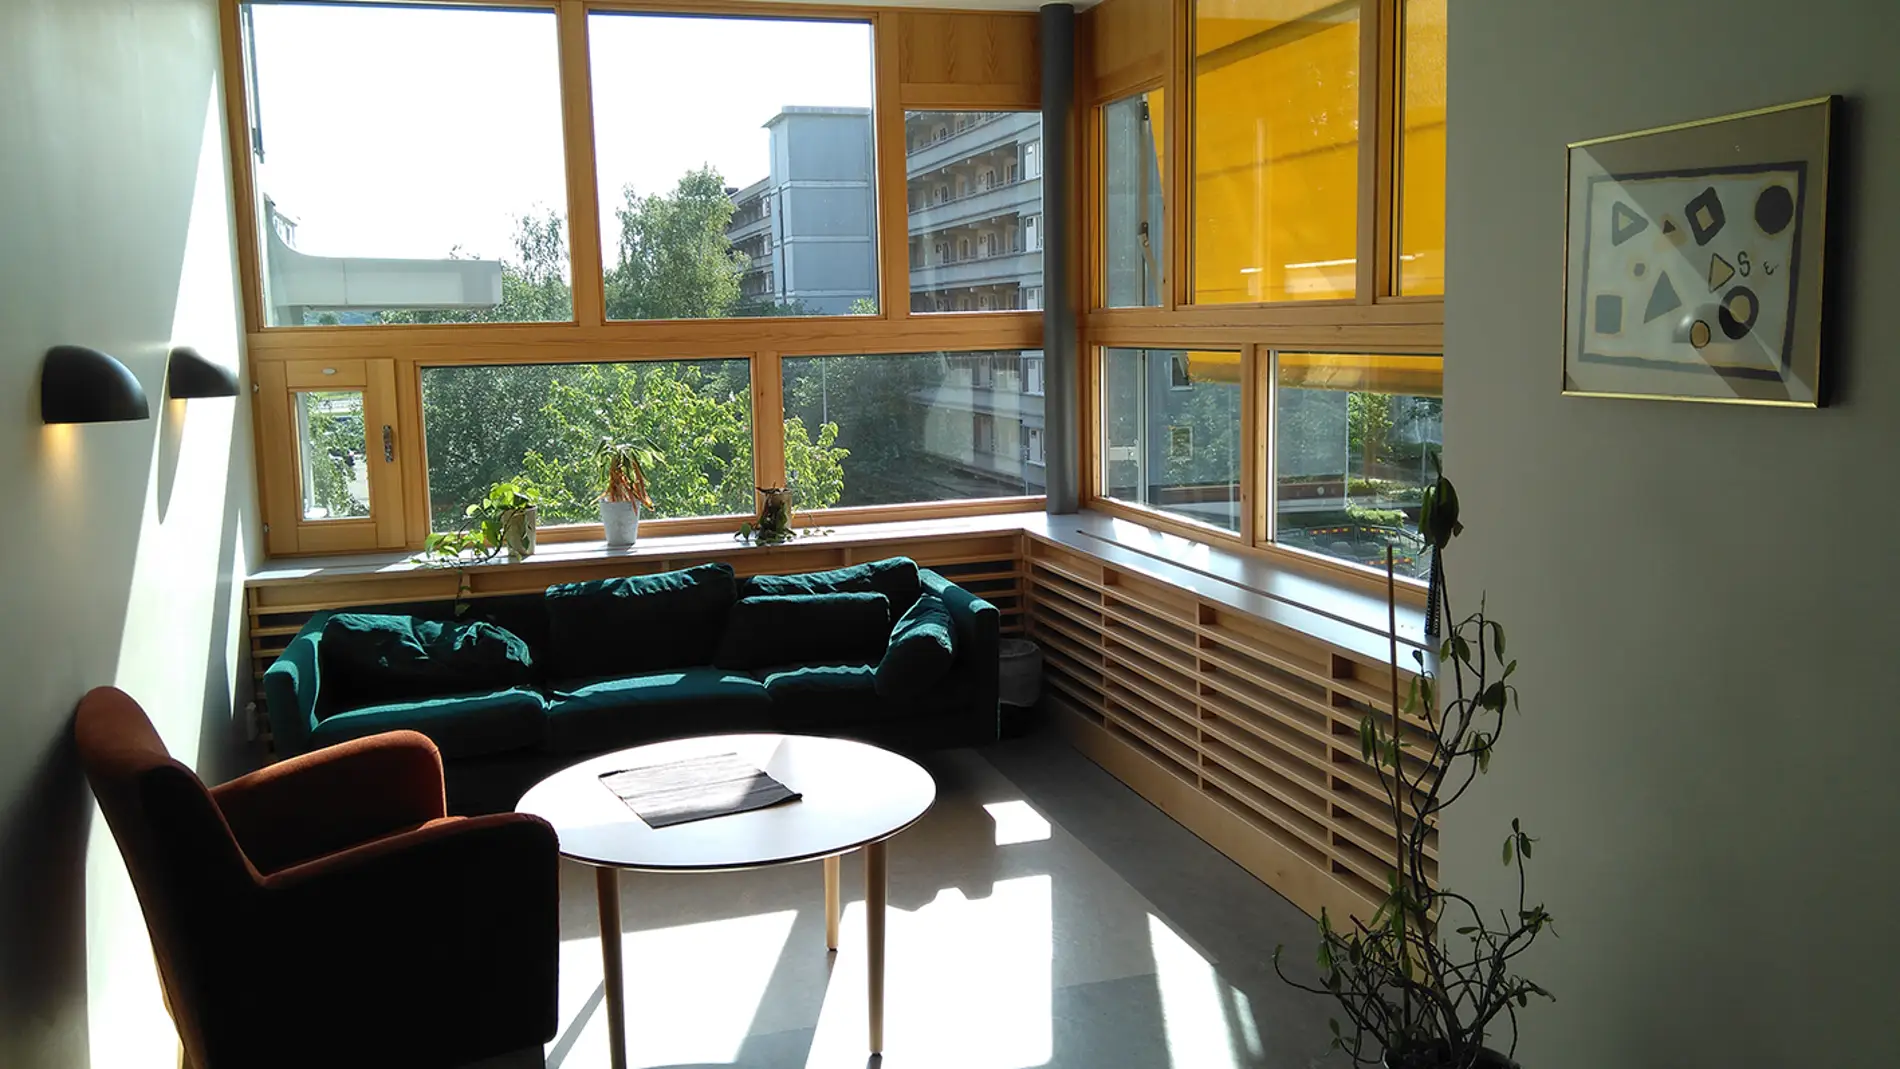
<point x="696" y="788"/>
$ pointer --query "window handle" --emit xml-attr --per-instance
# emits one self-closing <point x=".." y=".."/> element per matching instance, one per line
<point x="389" y="445"/>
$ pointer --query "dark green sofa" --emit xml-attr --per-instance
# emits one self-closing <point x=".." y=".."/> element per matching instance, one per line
<point x="520" y="687"/>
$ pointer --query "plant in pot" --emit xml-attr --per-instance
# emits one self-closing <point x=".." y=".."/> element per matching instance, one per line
<point x="1430" y="982"/>
<point x="623" y="474"/>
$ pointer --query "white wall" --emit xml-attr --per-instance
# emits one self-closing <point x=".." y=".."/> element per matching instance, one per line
<point x="1705" y="599"/>
<point x="123" y="540"/>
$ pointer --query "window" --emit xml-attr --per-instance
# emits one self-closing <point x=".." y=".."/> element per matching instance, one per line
<point x="1171" y="448"/>
<point x="800" y="123"/>
<point x="540" y="423"/>
<point x="1421" y="244"/>
<point x="399" y="179"/>
<point x="895" y="429"/>
<point x="1032" y="437"/>
<point x="993" y="140"/>
<point x="1276" y="150"/>
<point x="1354" y="434"/>
<point x="1032" y="227"/>
<point x="1133" y="252"/>
<point x="1032" y="159"/>
<point x="332" y="452"/>
<point x="1032" y="374"/>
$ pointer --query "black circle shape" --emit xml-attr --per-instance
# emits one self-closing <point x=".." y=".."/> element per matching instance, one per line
<point x="1737" y="329"/>
<point x="1774" y="209"/>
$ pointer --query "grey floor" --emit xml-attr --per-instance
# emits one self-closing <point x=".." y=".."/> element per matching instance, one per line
<point x="1041" y="915"/>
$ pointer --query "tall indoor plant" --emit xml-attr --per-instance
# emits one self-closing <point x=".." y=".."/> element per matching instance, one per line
<point x="623" y="476"/>
<point x="1428" y="981"/>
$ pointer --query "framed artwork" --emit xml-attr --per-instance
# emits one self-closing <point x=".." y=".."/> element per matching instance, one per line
<point x="1693" y="260"/>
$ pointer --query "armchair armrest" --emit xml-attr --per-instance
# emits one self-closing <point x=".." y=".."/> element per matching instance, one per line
<point x="979" y="651"/>
<point x="334" y="798"/>
<point x="449" y="931"/>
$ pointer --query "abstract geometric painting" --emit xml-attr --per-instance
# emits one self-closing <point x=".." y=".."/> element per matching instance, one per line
<point x="1697" y="281"/>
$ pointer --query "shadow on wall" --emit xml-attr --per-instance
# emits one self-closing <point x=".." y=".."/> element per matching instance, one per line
<point x="119" y="238"/>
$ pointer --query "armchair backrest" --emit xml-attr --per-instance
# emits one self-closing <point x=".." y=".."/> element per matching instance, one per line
<point x="190" y="875"/>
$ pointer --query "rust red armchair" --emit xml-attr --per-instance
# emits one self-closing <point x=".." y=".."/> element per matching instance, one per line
<point x="325" y="910"/>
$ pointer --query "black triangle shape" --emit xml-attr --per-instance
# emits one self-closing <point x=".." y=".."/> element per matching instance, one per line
<point x="1669" y="226"/>
<point x="1625" y="223"/>
<point x="1663" y="299"/>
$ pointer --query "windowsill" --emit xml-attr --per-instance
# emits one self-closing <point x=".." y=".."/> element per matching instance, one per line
<point x="1308" y="599"/>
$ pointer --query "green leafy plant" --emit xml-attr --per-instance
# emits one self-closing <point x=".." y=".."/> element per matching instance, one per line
<point x="623" y="470"/>
<point x="1427" y="980"/>
<point x="773" y="524"/>
<point x="480" y="536"/>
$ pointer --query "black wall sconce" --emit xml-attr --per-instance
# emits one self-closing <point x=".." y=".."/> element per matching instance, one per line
<point x="191" y="375"/>
<point x="81" y="385"/>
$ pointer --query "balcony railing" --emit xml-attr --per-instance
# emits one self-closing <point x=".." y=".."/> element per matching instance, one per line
<point x="1021" y="267"/>
<point x="1023" y="196"/>
<point x="974" y="140"/>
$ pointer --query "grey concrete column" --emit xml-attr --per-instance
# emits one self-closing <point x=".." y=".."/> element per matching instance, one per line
<point x="1062" y="446"/>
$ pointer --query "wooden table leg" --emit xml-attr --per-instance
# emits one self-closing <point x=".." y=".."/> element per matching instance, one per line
<point x="875" y="881"/>
<point x="607" y="887"/>
<point x="832" y="865"/>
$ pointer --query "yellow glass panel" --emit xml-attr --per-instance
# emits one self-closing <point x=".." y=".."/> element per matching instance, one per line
<point x="1276" y="150"/>
<point x="1422" y="376"/>
<point x="1422" y="150"/>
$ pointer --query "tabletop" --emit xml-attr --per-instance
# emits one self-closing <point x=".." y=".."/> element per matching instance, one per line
<point x="853" y="794"/>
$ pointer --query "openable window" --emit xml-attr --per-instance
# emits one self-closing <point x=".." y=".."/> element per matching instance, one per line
<point x="909" y="428"/>
<point x="1134" y="251"/>
<point x="1354" y="437"/>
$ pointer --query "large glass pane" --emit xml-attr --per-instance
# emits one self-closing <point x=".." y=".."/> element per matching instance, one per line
<point x="1422" y="150"/>
<point x="331" y="455"/>
<point x="540" y="423"/>
<point x="1171" y="424"/>
<point x="913" y="427"/>
<point x="1354" y="438"/>
<point x="1133" y="246"/>
<point x="409" y="164"/>
<point x="974" y="184"/>
<point x="1276" y="150"/>
<point x="735" y="165"/>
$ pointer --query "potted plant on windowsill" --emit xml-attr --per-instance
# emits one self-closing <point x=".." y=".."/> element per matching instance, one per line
<point x="623" y="473"/>
<point x="1429" y="981"/>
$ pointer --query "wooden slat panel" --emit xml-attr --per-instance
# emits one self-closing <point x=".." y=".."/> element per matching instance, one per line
<point x="1156" y="681"/>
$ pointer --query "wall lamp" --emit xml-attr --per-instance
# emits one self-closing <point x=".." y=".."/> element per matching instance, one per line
<point x="191" y="375"/>
<point x="81" y="385"/>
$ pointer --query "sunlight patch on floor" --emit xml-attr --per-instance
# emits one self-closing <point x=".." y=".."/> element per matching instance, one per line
<point x="692" y="990"/>
<point x="1194" y="1009"/>
<point x="967" y="984"/>
<point x="1017" y="822"/>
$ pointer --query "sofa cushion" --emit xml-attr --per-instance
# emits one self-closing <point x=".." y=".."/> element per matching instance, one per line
<point x="805" y="629"/>
<point x="895" y="578"/>
<point x="645" y="623"/>
<point x="607" y="714"/>
<point x="921" y="650"/>
<point x="369" y="658"/>
<point x="469" y="725"/>
<point x="810" y="697"/>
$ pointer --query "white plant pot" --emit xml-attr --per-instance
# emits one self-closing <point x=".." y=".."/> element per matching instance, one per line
<point x="622" y="520"/>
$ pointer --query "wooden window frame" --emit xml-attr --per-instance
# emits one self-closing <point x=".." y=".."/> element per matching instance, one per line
<point x="923" y="60"/>
<point x="1131" y="46"/>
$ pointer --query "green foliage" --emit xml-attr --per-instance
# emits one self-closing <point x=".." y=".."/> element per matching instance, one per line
<point x="1368" y="424"/>
<point x="481" y="531"/>
<point x="863" y="306"/>
<point x="870" y="404"/>
<point x="675" y="260"/>
<point x="334" y="447"/>
<point x="1409" y="996"/>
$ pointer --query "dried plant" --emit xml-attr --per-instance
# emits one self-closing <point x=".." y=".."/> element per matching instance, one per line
<point x="1428" y="979"/>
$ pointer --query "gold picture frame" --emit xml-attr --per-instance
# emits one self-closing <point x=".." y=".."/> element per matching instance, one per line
<point x="1694" y="259"/>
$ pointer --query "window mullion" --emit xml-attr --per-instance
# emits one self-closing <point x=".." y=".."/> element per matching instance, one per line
<point x="583" y="198"/>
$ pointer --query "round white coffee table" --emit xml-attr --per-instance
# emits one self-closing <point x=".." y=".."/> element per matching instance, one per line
<point x="854" y="796"/>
